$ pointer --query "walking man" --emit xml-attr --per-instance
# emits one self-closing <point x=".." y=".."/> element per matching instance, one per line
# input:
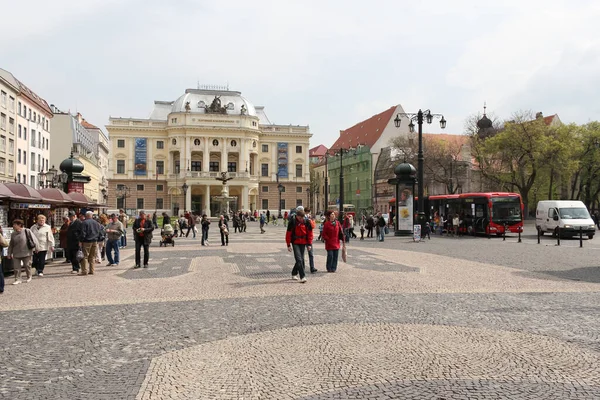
<point x="142" y="231"/>
<point x="124" y="219"/>
<point x="381" y="224"/>
<point x="299" y="236"/>
<point x="205" y="224"/>
<point x="262" y="223"/>
<point x="91" y="232"/>
<point x="114" y="231"/>
<point x="73" y="240"/>
<point x="191" y="223"/>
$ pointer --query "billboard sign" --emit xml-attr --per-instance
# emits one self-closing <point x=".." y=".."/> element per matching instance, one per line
<point x="141" y="156"/>
<point x="282" y="160"/>
<point x="404" y="207"/>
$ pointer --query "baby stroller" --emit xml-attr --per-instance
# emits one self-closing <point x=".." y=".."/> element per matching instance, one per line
<point x="166" y="236"/>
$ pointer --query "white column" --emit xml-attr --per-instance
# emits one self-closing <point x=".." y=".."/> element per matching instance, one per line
<point x="207" y="200"/>
<point x="223" y="165"/>
<point x="188" y="153"/>
<point x="131" y="159"/>
<point x="243" y="156"/>
<point x="188" y="199"/>
<point x="205" y="156"/>
<point x="170" y="163"/>
<point x="245" y="203"/>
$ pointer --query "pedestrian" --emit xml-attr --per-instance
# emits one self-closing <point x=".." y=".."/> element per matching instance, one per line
<point x="103" y="220"/>
<point x="43" y="232"/>
<point x="205" y="224"/>
<point x="299" y="237"/>
<point x="182" y="224"/>
<point x="362" y="232"/>
<point x="197" y="223"/>
<point x="346" y="228"/>
<point x="262" y="222"/>
<point x="236" y="223"/>
<point x="62" y="238"/>
<point x="268" y="216"/>
<point x="73" y="240"/>
<point x="332" y="234"/>
<point x="455" y="224"/>
<point x="114" y="231"/>
<point x="91" y="232"/>
<point x="311" y="257"/>
<point x="224" y="229"/>
<point x="166" y="220"/>
<point x="175" y="226"/>
<point x="380" y="227"/>
<point x="426" y="231"/>
<point x="191" y="222"/>
<point x="124" y="219"/>
<point x="370" y="226"/>
<point x="3" y="245"/>
<point x="351" y="223"/>
<point x="155" y="220"/>
<point x="20" y="250"/>
<point x="142" y="230"/>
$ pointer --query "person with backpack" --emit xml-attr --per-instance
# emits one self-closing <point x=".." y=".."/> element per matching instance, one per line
<point x="299" y="237"/>
<point x="262" y="223"/>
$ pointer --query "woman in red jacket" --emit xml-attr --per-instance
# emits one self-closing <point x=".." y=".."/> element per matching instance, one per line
<point x="332" y="234"/>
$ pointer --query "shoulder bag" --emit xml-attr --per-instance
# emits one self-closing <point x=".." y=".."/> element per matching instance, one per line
<point x="30" y="242"/>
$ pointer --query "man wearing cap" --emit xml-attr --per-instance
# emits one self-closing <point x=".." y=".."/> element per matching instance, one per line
<point x="91" y="233"/>
<point x="299" y="236"/>
<point x="142" y="232"/>
<point x="73" y="239"/>
<point x="114" y="230"/>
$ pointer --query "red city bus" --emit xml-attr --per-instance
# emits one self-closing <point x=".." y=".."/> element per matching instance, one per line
<point x="481" y="213"/>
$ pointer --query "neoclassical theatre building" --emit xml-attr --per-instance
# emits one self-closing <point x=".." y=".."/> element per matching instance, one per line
<point x="175" y="160"/>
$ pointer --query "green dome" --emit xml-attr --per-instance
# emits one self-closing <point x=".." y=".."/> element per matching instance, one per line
<point x="71" y="165"/>
<point x="405" y="170"/>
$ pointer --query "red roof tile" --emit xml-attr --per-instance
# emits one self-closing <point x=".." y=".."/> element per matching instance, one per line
<point x="87" y="125"/>
<point x="366" y="132"/>
<point x="318" y="151"/>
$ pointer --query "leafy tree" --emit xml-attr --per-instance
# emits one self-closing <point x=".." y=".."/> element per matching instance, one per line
<point x="585" y="163"/>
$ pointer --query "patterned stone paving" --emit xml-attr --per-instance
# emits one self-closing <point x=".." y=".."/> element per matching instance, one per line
<point x="445" y="319"/>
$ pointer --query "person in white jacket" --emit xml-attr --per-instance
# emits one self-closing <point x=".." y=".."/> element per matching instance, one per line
<point x="45" y="238"/>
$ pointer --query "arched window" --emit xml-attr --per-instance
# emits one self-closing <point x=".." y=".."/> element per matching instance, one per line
<point x="233" y="143"/>
<point x="215" y="142"/>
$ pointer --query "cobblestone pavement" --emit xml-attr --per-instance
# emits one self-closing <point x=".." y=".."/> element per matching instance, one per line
<point x="468" y="318"/>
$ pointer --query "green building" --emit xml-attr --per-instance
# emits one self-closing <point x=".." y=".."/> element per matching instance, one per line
<point x="358" y="183"/>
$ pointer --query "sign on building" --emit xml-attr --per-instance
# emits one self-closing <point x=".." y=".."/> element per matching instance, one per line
<point x="140" y="156"/>
<point x="282" y="160"/>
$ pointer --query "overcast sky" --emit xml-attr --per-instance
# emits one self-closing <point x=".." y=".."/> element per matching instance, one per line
<point x="325" y="63"/>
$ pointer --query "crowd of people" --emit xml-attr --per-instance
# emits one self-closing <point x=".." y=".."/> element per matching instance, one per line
<point x="88" y="239"/>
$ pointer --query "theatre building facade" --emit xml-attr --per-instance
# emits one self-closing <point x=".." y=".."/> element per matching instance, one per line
<point x="178" y="158"/>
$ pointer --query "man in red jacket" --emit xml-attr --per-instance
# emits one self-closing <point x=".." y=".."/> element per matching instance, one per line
<point x="299" y="236"/>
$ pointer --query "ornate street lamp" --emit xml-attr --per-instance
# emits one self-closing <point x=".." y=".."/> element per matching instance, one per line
<point x="104" y="195"/>
<point x="41" y="179"/>
<point x="123" y="192"/>
<point x="51" y="177"/>
<point x="419" y="116"/>
<point x="185" y="189"/>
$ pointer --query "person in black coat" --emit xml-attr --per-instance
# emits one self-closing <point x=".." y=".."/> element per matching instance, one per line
<point x="73" y="239"/>
<point x="142" y="231"/>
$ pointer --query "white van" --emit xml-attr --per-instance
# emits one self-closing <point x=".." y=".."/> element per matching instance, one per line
<point x="567" y="215"/>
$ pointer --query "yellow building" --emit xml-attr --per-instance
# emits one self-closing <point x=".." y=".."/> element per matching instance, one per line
<point x="203" y="136"/>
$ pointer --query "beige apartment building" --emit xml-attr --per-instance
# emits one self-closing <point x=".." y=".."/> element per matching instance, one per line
<point x="175" y="160"/>
<point x="32" y="131"/>
<point x="9" y="91"/>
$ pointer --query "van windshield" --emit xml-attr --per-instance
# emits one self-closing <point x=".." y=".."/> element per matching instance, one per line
<point x="574" y="213"/>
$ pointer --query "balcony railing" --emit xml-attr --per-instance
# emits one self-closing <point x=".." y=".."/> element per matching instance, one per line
<point x="212" y="175"/>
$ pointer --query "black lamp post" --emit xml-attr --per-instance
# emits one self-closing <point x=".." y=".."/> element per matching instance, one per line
<point x="41" y="179"/>
<point x="185" y="189"/>
<point x="326" y="188"/>
<point x="421" y="218"/>
<point x="280" y="188"/>
<point x="341" y="152"/>
<point x="123" y="192"/>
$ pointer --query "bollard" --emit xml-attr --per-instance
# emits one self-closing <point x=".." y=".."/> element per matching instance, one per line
<point x="488" y="231"/>
<point x="558" y="235"/>
<point x="539" y="234"/>
<point x="504" y="234"/>
<point x="519" y="234"/>
<point x="580" y="237"/>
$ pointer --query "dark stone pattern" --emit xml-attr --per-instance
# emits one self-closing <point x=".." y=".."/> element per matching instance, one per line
<point x="364" y="260"/>
<point x="103" y="352"/>
<point x="176" y="263"/>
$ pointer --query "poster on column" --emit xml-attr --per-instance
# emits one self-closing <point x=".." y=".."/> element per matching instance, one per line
<point x="405" y="208"/>
<point x="140" y="156"/>
<point x="282" y="160"/>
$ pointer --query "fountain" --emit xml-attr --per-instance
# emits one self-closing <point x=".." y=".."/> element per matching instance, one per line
<point x="224" y="197"/>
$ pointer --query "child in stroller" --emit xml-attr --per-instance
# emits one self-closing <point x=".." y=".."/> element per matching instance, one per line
<point x="166" y="236"/>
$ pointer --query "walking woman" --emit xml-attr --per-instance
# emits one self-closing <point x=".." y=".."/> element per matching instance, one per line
<point x="332" y="235"/>
<point x="62" y="238"/>
<point x="224" y="229"/>
<point x="20" y="251"/>
<point x="42" y="231"/>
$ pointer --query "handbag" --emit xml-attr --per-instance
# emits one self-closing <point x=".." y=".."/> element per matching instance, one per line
<point x="387" y="230"/>
<point x="30" y="242"/>
<point x="344" y="254"/>
<point x="79" y="255"/>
